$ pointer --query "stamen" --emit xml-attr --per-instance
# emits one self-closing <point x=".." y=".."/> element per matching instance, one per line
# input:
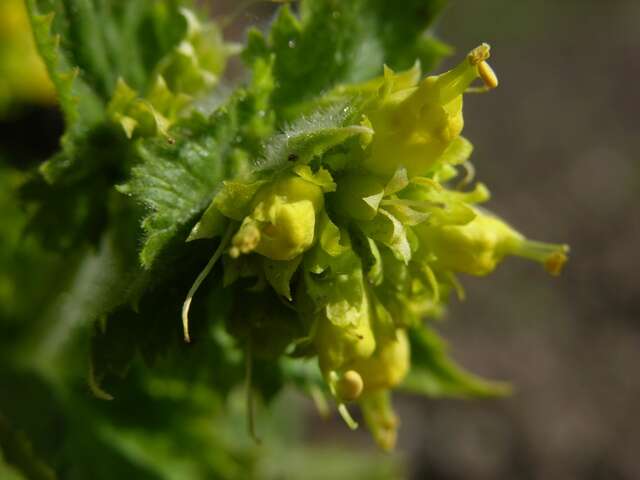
<point x="245" y="241"/>
<point x="470" y="173"/>
<point x="342" y="408"/>
<point x="552" y="256"/>
<point x="205" y="272"/>
<point x="457" y="286"/>
<point x="487" y="75"/>
<point x="346" y="416"/>
<point x="349" y="387"/>
<point x="433" y="282"/>
<point x="555" y="263"/>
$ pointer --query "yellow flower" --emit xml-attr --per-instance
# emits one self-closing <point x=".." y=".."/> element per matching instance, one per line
<point x="415" y="125"/>
<point x="340" y="346"/>
<point x="388" y="366"/>
<point x="477" y="247"/>
<point x="282" y="222"/>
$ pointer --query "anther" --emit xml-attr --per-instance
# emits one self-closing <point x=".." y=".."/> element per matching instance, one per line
<point x="350" y="385"/>
<point x="245" y="241"/>
<point x="487" y="74"/>
<point x="553" y="265"/>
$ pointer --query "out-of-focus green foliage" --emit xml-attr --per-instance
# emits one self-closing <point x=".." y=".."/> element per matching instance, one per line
<point x="23" y="76"/>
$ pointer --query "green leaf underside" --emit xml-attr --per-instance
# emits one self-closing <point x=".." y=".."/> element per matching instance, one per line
<point x="176" y="181"/>
<point x="434" y="374"/>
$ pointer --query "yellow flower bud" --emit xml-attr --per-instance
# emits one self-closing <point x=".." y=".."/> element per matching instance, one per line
<point x="283" y="219"/>
<point x="388" y="366"/>
<point x="380" y="417"/>
<point x="340" y="346"/>
<point x="414" y="126"/>
<point x="246" y="239"/>
<point x="349" y="386"/>
<point x="477" y="247"/>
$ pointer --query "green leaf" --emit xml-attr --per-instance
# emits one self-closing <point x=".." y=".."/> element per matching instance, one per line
<point x="403" y="32"/>
<point x="369" y="254"/>
<point x="262" y="322"/>
<point x="348" y="42"/>
<point x="150" y="116"/>
<point x="388" y="230"/>
<point x="75" y="212"/>
<point x="234" y="198"/>
<point x="434" y="374"/>
<point x="109" y="39"/>
<point x="211" y="224"/>
<point x="341" y="293"/>
<point x="92" y="48"/>
<point x="78" y="100"/>
<point x="177" y="180"/>
<point x="87" y="46"/>
<point x="279" y="274"/>
<point x="22" y="292"/>
<point x="310" y="137"/>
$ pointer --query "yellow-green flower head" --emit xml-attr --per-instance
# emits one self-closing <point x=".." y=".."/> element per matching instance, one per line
<point x="414" y="126"/>
<point x="282" y="222"/>
<point x="477" y="247"/>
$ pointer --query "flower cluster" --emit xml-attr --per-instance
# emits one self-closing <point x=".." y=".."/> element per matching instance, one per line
<point x="354" y="246"/>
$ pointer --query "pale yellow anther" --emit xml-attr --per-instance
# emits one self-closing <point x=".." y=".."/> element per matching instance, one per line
<point x="349" y="387"/>
<point x="245" y="241"/>
<point x="554" y="264"/>
<point x="479" y="54"/>
<point x="487" y="75"/>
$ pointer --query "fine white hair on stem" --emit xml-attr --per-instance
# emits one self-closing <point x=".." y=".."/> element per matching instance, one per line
<point x="203" y="274"/>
